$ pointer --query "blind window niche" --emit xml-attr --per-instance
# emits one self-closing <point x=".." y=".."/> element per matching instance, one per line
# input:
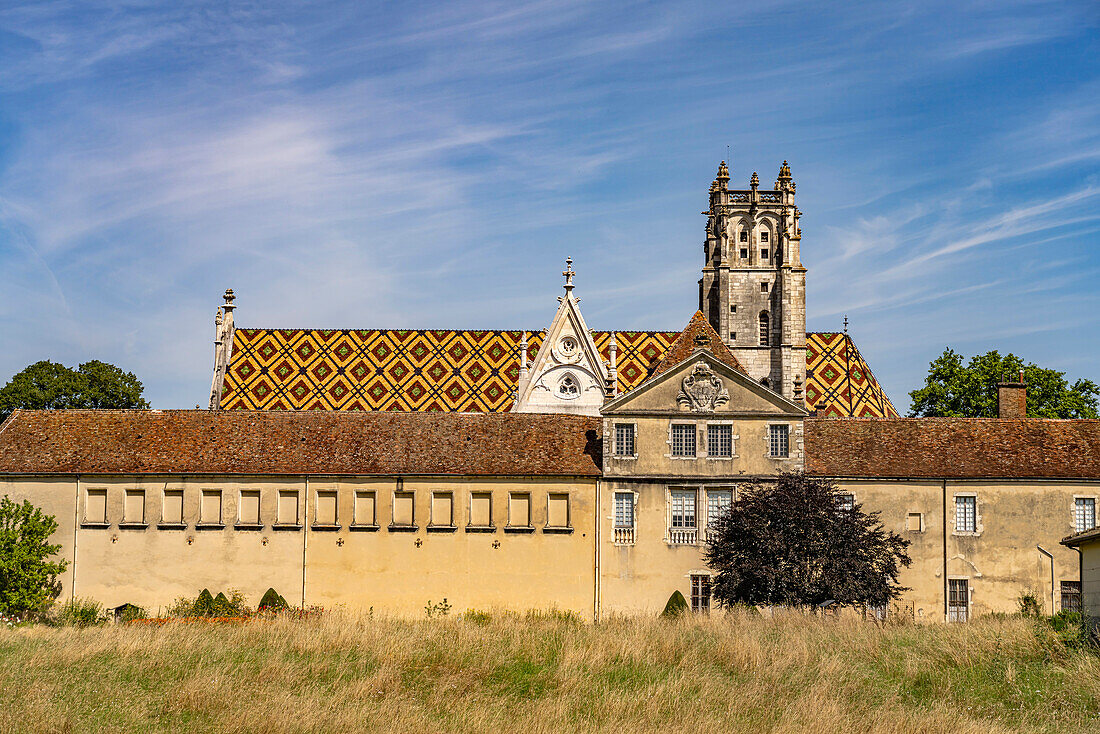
<point x="443" y="510"/>
<point x="557" y="510"/>
<point x="481" y="510"/>
<point x="519" y="510"/>
<point x="403" y="509"/>
<point x="365" y="509"/>
<point x="288" y="508"/>
<point x="210" y="509"/>
<point x="95" y="507"/>
<point x="248" y="512"/>
<point x="172" y="512"/>
<point x="133" y="510"/>
<point x="326" y="508"/>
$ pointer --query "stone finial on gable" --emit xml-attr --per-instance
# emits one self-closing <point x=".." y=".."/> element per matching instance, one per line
<point x="223" y="347"/>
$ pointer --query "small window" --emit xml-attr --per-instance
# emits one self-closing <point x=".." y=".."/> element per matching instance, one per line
<point x="683" y="508"/>
<point x="744" y="253"/>
<point x="764" y="235"/>
<point x="778" y="441"/>
<point x="1084" y="513"/>
<point x="365" y="508"/>
<point x="519" y="509"/>
<point x="683" y="439"/>
<point x="95" y="507"/>
<point x="288" y="507"/>
<point x="624" y="509"/>
<point x="744" y="235"/>
<point x="733" y="336"/>
<point x="733" y="308"/>
<point x="172" y="512"/>
<point x="966" y="514"/>
<point x="1071" y="596"/>
<point x="958" y="600"/>
<point x="700" y="593"/>
<point x="914" y="522"/>
<point x="326" y="508"/>
<point x="481" y="510"/>
<point x="403" y="510"/>
<point x="764" y="287"/>
<point x="764" y="330"/>
<point x="846" y="501"/>
<point x="133" y="512"/>
<point x="720" y="441"/>
<point x="624" y="439"/>
<point x="557" y="510"/>
<point x="248" y="511"/>
<point x="764" y="254"/>
<point x="210" y="511"/>
<point x="719" y="502"/>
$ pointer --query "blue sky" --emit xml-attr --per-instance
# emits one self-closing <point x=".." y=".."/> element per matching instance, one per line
<point x="416" y="164"/>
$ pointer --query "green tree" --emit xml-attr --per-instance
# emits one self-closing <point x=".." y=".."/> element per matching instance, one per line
<point x="48" y="385"/>
<point x="27" y="579"/>
<point x="793" y="542"/>
<point x="954" y="389"/>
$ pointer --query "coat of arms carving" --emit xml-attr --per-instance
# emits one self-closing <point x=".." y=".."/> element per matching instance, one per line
<point x="702" y="389"/>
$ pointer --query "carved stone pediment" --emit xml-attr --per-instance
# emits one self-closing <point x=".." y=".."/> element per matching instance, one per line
<point x="702" y="390"/>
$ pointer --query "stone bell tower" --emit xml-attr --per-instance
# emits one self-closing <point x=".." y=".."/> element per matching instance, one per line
<point x="753" y="289"/>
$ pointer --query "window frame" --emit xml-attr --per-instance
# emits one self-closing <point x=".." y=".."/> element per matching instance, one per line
<point x="241" y="524"/>
<point x="1080" y="501"/>
<point x="129" y="522"/>
<point x="683" y="492"/>
<point x="317" y="493"/>
<point x="166" y="524"/>
<point x="205" y="522"/>
<point x="568" y="526"/>
<point x="394" y="526"/>
<point x="727" y="425"/>
<point x="512" y="527"/>
<point x="958" y="612"/>
<point x="280" y="523"/>
<point x="694" y="433"/>
<point x="702" y="592"/>
<point x="770" y="436"/>
<point x="434" y="526"/>
<point x="99" y="521"/>
<point x="974" y="519"/>
<point x="618" y="452"/>
<point x="357" y="522"/>
<point x="717" y="492"/>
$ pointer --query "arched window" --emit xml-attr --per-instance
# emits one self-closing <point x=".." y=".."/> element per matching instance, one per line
<point x="764" y="329"/>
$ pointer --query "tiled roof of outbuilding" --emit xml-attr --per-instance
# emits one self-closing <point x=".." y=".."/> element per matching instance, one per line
<point x="953" y="448"/>
<point x="285" y="442"/>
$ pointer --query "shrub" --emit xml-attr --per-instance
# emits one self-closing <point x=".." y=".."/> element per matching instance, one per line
<point x="676" y="606"/>
<point x="272" y="601"/>
<point x="1072" y="628"/>
<point x="129" y="612"/>
<point x="553" y="615"/>
<point x="79" y="613"/>
<point x="28" y="582"/>
<point x="1029" y="605"/>
<point x="204" y="605"/>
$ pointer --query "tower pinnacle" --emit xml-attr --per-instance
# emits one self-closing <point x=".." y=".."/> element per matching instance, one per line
<point x="568" y="273"/>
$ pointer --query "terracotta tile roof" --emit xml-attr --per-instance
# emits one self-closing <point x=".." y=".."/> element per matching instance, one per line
<point x="469" y="370"/>
<point x="953" y="448"/>
<point x="697" y="334"/>
<point x="284" y="442"/>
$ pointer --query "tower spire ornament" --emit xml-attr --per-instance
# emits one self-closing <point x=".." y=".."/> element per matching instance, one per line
<point x="568" y="273"/>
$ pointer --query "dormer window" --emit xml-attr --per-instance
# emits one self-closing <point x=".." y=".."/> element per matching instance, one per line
<point x="568" y="387"/>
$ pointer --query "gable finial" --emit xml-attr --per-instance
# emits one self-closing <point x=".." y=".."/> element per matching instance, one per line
<point x="568" y="273"/>
<point x="845" y="323"/>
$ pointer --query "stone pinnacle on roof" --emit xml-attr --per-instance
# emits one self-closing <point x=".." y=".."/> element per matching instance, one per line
<point x="755" y="181"/>
<point x="568" y="273"/>
<point x="723" y="175"/>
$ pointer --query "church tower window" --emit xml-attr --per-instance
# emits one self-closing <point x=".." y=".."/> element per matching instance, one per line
<point x="744" y="235"/>
<point x="764" y="236"/>
<point x="764" y="335"/>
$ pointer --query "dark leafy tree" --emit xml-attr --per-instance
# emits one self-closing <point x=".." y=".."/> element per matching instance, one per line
<point x="954" y="389"/>
<point x="790" y="542"/>
<point x="27" y="578"/>
<point x="48" y="385"/>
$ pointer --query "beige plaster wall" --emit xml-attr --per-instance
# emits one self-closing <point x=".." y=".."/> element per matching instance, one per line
<point x="357" y="567"/>
<point x="1090" y="578"/>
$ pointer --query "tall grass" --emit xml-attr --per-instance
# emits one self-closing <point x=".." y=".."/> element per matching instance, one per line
<point x="727" y="673"/>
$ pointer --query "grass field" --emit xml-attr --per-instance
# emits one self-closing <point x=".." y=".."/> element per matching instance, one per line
<point x="723" y="673"/>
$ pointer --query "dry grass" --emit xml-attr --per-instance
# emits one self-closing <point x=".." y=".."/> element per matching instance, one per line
<point x="723" y="673"/>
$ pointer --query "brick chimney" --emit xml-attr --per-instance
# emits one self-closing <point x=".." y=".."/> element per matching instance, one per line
<point x="1012" y="399"/>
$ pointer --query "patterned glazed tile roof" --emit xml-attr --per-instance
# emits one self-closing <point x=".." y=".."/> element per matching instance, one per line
<point x="410" y="370"/>
<point x="953" y="448"/>
<point x="279" y="443"/>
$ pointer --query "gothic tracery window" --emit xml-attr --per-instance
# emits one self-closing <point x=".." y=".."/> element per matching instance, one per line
<point x="568" y="387"/>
